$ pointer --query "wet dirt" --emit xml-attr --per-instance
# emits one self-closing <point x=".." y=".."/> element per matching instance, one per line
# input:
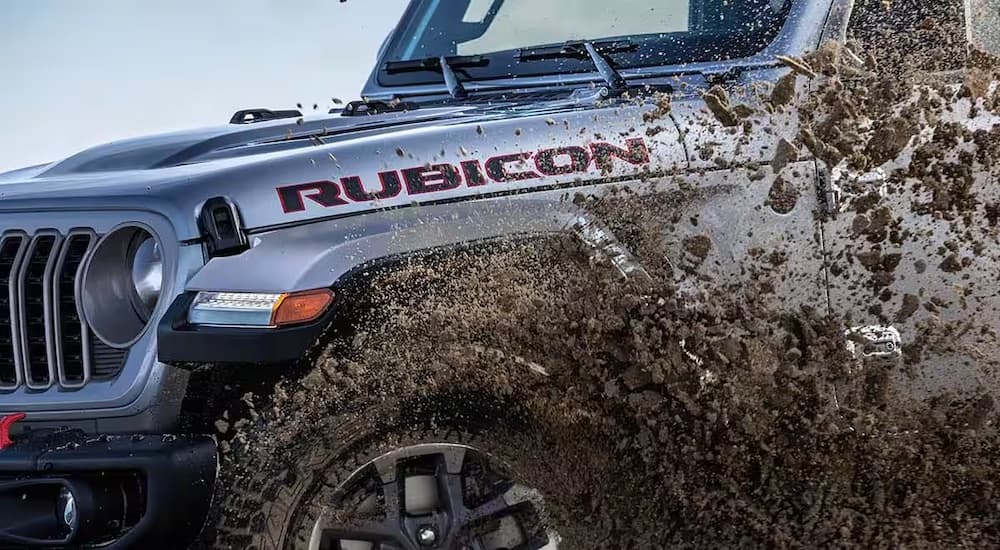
<point x="658" y="417"/>
<point x="655" y="422"/>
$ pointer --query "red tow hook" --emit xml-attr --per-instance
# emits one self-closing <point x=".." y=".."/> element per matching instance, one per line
<point x="6" y="422"/>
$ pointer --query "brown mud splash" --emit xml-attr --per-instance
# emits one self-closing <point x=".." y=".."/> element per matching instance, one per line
<point x="656" y="423"/>
<point x="662" y="418"/>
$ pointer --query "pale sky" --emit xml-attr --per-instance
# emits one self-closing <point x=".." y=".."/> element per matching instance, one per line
<point x="77" y="73"/>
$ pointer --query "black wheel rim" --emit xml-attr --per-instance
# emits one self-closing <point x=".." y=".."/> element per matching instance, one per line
<point x="433" y="496"/>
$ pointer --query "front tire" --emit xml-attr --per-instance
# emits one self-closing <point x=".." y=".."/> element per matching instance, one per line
<point x="403" y="477"/>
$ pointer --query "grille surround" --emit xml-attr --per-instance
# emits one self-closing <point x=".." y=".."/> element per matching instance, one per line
<point x="51" y="342"/>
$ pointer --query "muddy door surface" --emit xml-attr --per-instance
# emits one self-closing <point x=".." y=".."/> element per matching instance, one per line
<point x="748" y="223"/>
<point x="915" y="246"/>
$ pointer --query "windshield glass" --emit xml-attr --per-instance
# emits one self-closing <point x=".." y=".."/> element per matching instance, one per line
<point x="664" y="32"/>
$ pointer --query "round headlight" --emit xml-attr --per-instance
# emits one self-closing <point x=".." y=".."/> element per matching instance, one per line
<point x="147" y="273"/>
<point x="121" y="285"/>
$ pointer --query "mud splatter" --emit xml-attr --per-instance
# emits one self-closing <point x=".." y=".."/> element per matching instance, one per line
<point x="783" y="196"/>
<point x="784" y="90"/>
<point x="727" y="414"/>
<point x="690" y="412"/>
<point x="717" y="100"/>
<point x="786" y="152"/>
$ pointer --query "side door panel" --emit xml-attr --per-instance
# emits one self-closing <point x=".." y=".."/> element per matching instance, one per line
<point x="919" y="250"/>
<point x="758" y="219"/>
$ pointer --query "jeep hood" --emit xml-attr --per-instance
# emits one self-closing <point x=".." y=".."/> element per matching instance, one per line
<point x="230" y="141"/>
<point x="173" y="174"/>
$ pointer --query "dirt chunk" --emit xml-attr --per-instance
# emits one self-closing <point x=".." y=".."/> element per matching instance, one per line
<point x="662" y="108"/>
<point x="784" y="90"/>
<point x="952" y="264"/>
<point x="698" y="246"/>
<point x="717" y="100"/>
<point x="785" y="153"/>
<point x="911" y="303"/>
<point x="797" y="65"/>
<point x="890" y="139"/>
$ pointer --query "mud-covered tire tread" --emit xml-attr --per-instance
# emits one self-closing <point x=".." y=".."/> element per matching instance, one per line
<point x="260" y="511"/>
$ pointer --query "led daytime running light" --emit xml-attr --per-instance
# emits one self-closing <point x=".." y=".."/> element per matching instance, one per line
<point x="256" y="309"/>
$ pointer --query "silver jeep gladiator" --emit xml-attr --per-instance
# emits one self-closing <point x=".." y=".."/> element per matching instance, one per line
<point x="127" y="267"/>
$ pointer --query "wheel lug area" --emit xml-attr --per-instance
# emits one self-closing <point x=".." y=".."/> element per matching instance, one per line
<point x="427" y="535"/>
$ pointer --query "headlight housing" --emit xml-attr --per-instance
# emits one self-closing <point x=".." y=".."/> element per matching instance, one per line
<point x="121" y="285"/>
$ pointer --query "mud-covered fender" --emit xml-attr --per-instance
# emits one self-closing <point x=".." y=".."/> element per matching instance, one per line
<point x="321" y="254"/>
<point x="326" y="253"/>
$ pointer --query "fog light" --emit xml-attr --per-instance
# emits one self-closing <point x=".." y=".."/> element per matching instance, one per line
<point x="66" y="509"/>
<point x="252" y="309"/>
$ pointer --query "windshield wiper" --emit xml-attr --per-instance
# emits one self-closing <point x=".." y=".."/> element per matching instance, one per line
<point x="582" y="49"/>
<point x="446" y="65"/>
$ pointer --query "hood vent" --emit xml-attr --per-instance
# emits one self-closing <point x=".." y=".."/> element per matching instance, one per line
<point x="358" y="108"/>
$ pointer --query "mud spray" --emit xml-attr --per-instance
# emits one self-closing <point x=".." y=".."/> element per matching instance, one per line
<point x="683" y="412"/>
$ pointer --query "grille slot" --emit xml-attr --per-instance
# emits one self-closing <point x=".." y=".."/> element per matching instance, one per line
<point x="11" y="249"/>
<point x="44" y="341"/>
<point x="71" y="337"/>
<point x="35" y="310"/>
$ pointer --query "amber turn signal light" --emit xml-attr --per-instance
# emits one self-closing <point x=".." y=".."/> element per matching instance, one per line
<point x="301" y="307"/>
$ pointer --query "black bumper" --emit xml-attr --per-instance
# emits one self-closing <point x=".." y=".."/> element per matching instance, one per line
<point x="147" y="491"/>
<point x="179" y="342"/>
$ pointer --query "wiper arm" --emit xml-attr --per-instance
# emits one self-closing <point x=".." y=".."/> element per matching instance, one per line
<point x="597" y="51"/>
<point x="446" y="65"/>
<point x="454" y="85"/>
<point x="611" y="75"/>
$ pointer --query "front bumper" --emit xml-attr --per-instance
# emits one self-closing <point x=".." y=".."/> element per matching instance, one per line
<point x="142" y="491"/>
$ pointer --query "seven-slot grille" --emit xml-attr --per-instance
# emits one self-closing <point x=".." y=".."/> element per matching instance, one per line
<point x="43" y="341"/>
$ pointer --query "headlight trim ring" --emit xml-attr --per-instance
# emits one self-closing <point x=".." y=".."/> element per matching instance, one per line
<point x="111" y="305"/>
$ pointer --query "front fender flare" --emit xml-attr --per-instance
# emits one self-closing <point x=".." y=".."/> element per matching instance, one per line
<point x="325" y="254"/>
<point x="319" y="255"/>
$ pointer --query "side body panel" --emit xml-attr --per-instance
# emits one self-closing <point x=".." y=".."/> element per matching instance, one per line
<point x="760" y="218"/>
<point x="919" y="249"/>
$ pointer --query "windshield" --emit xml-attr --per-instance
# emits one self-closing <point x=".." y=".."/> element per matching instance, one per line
<point x="665" y="32"/>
